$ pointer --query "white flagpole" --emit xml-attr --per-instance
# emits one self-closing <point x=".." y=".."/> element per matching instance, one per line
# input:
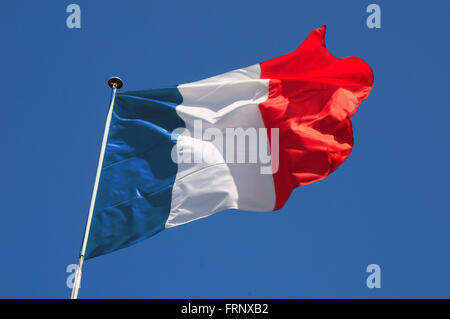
<point x="115" y="84"/>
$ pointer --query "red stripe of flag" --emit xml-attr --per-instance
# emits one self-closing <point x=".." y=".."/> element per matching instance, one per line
<point x="312" y="96"/>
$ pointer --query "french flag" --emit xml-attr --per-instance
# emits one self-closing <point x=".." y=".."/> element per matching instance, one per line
<point x="239" y="140"/>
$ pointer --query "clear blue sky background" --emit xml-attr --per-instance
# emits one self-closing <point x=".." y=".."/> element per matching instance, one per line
<point x="387" y="204"/>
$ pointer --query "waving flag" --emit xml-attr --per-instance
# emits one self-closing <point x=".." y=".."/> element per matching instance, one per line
<point x="240" y="140"/>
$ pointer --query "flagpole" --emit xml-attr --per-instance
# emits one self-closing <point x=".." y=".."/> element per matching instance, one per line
<point x="114" y="83"/>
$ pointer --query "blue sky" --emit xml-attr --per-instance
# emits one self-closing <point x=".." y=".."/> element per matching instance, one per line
<point x="388" y="204"/>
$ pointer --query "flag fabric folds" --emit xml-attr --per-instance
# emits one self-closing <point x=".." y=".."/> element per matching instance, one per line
<point x="168" y="159"/>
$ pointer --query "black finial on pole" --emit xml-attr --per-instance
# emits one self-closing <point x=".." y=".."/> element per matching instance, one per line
<point x="115" y="83"/>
